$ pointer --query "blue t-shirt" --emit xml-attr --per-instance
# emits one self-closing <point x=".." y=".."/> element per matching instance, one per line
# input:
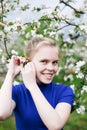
<point x="26" y="114"/>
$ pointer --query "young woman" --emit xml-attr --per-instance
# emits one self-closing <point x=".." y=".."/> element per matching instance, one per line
<point x="37" y="103"/>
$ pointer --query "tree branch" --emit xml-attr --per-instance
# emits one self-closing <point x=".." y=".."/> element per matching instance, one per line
<point x="6" y="48"/>
<point x="72" y="24"/>
<point x="3" y="25"/>
<point x="62" y="27"/>
<point x="80" y="12"/>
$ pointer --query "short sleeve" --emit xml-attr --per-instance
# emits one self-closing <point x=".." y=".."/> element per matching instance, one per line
<point x="66" y="95"/>
<point x="14" y="93"/>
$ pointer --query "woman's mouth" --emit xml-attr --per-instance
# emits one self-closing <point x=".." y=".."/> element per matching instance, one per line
<point x="48" y="75"/>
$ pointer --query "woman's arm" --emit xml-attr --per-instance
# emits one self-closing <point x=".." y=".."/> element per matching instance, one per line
<point x="54" y="119"/>
<point x="6" y="103"/>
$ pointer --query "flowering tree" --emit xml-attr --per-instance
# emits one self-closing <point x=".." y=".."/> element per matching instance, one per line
<point x="69" y="32"/>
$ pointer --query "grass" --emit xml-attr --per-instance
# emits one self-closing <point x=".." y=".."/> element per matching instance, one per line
<point x="8" y="124"/>
<point x="76" y="122"/>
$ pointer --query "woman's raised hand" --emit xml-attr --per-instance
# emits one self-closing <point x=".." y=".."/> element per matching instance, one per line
<point x="29" y="74"/>
<point x="14" y="65"/>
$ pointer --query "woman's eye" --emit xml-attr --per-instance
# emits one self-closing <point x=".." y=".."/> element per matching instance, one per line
<point x="55" y="62"/>
<point x="44" y="61"/>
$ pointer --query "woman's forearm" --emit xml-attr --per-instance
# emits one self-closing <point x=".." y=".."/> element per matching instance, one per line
<point x="47" y="113"/>
<point x="6" y="96"/>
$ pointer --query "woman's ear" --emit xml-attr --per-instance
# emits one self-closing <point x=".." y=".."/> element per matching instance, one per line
<point x="26" y="61"/>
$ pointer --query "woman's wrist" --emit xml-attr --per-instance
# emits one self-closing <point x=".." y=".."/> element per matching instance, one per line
<point x="10" y="74"/>
<point x="8" y="80"/>
<point x="32" y="87"/>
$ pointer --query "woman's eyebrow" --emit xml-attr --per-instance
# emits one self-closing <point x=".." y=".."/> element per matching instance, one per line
<point x="49" y="59"/>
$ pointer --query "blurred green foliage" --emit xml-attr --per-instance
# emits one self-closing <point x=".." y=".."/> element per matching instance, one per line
<point x="76" y="122"/>
<point x="8" y="124"/>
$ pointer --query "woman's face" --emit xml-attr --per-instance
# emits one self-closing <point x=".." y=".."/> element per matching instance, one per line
<point x="46" y="63"/>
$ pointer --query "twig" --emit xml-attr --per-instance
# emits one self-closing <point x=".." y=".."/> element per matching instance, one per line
<point x="3" y="25"/>
<point x="80" y="12"/>
<point x="6" y="48"/>
<point x="62" y="27"/>
<point x="72" y="24"/>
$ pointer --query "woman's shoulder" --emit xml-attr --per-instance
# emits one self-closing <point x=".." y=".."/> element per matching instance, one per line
<point x="64" y="93"/>
<point x="58" y="85"/>
<point x="61" y="87"/>
<point x="19" y="91"/>
<point x="19" y="87"/>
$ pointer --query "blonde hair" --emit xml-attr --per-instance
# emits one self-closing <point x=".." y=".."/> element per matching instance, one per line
<point x="35" y="43"/>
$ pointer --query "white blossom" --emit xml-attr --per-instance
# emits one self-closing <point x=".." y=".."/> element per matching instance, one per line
<point x="15" y="82"/>
<point x="73" y="87"/>
<point x="1" y="51"/>
<point x="27" y="35"/>
<point x="7" y="29"/>
<point x="77" y="69"/>
<point x="68" y="77"/>
<point x="80" y="63"/>
<point x="3" y="59"/>
<point x="80" y="75"/>
<point x="14" y="52"/>
<point x="68" y="40"/>
<point x="70" y="66"/>
<point x="18" y="22"/>
<point x="84" y="88"/>
<point x="52" y="33"/>
<point x="83" y="27"/>
<point x="80" y="110"/>
<point x="33" y="32"/>
<point x="2" y="35"/>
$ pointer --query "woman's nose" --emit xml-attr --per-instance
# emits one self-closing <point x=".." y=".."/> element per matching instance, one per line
<point x="50" y="66"/>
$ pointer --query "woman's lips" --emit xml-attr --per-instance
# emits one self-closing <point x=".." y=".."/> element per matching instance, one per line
<point x="48" y="75"/>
